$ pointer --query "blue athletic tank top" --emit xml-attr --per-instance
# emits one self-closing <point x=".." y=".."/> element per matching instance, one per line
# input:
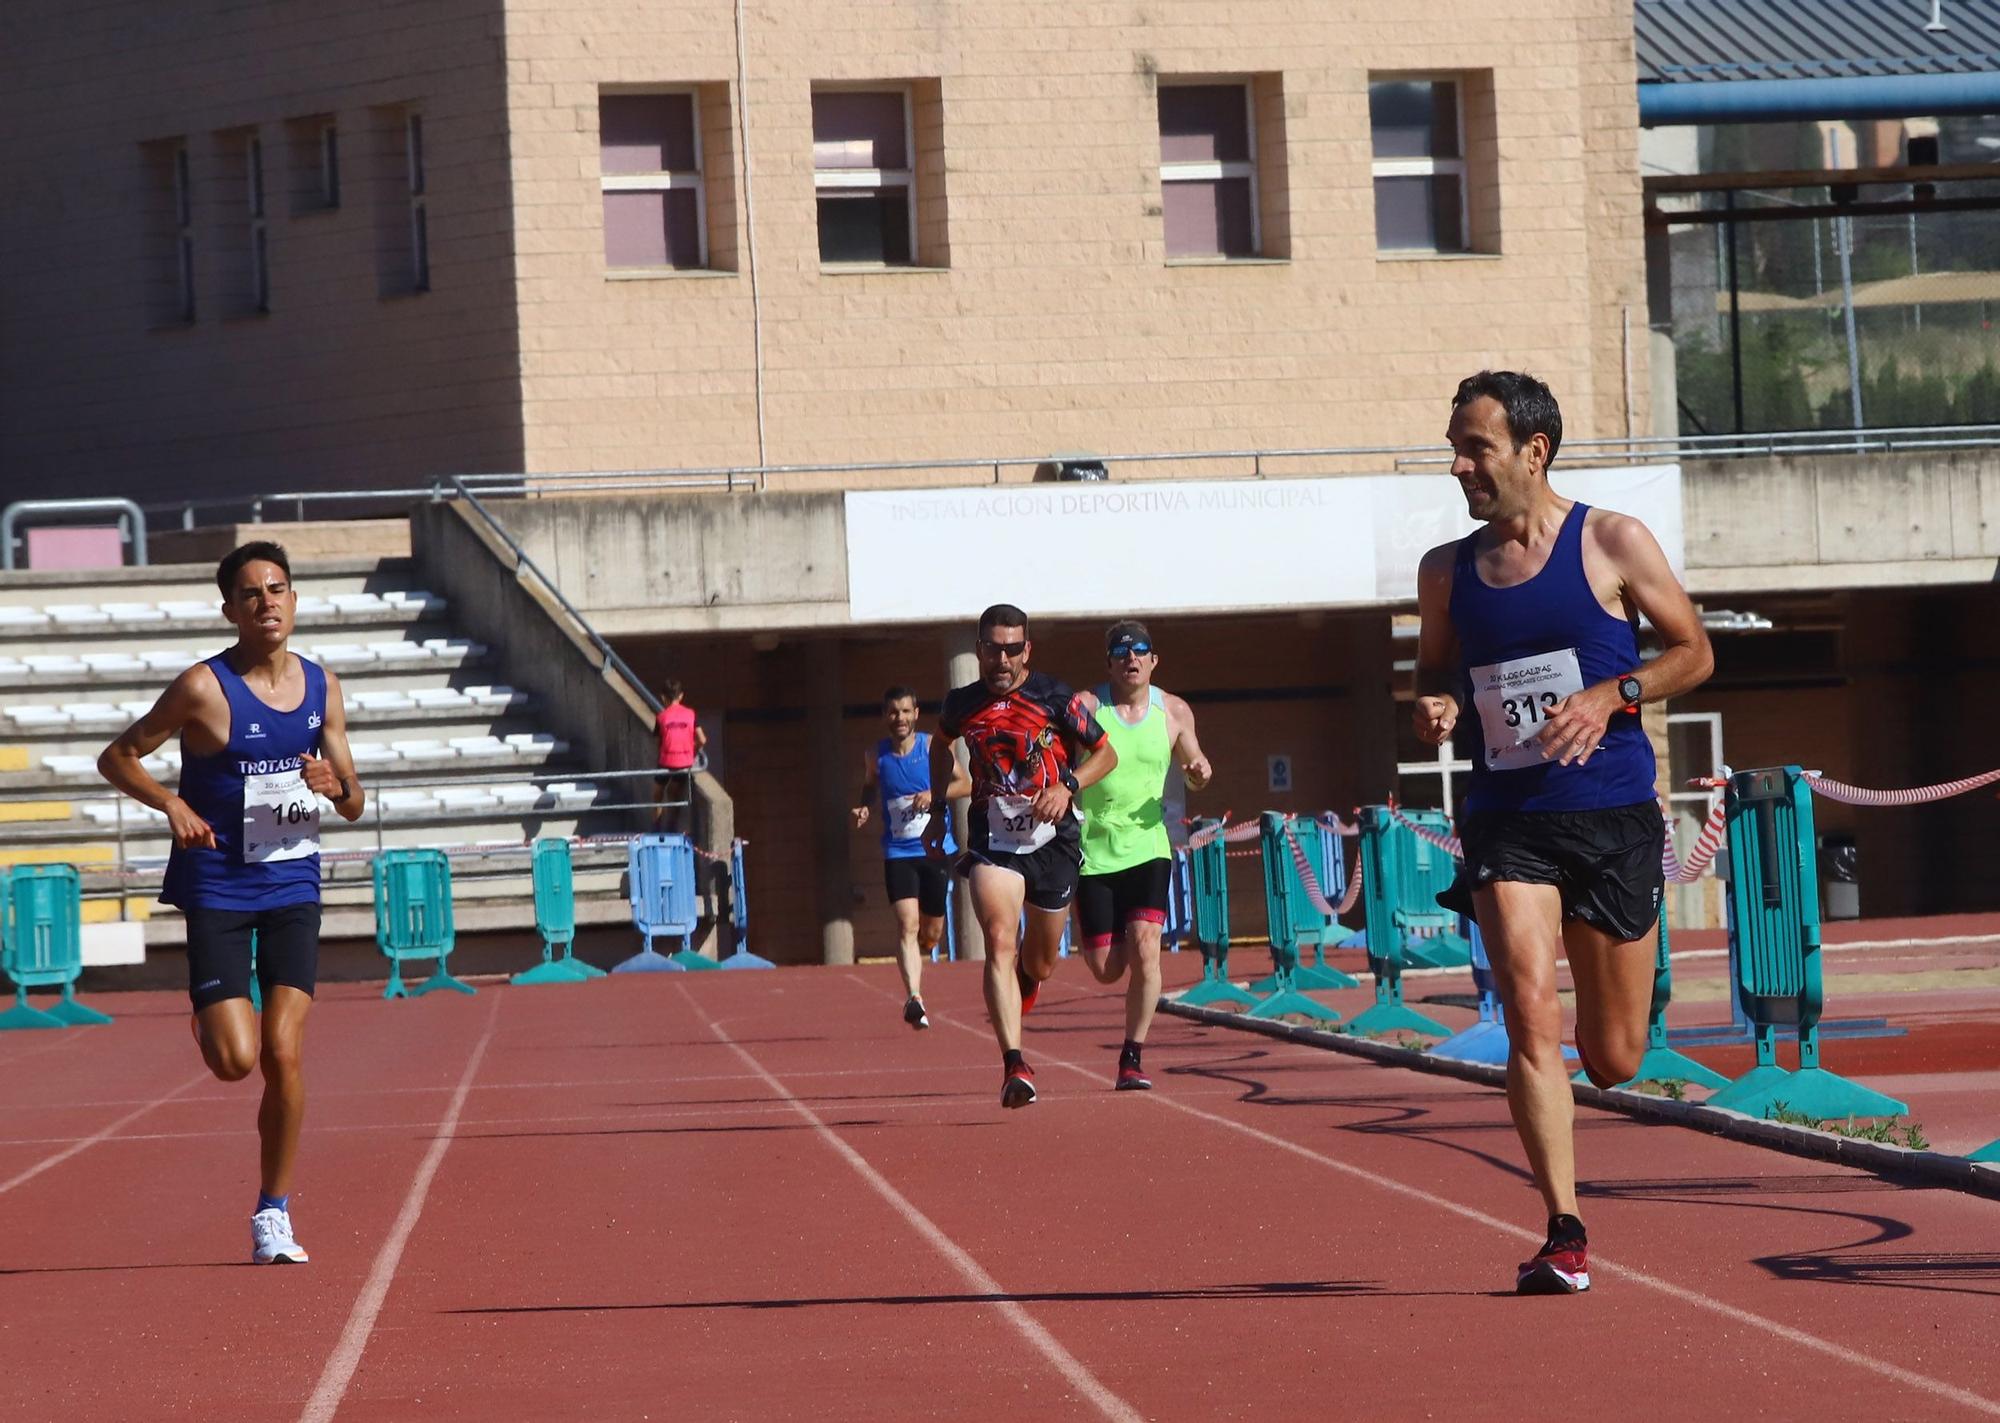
<point x="263" y="742"/>
<point x="1522" y="649"/>
<point x="900" y="776"/>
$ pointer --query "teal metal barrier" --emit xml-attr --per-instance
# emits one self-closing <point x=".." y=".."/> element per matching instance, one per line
<point x="1304" y="922"/>
<point x="413" y="918"/>
<point x="1661" y="1062"/>
<point x="1286" y="996"/>
<point x="1208" y="878"/>
<point x="660" y="885"/>
<point x="1424" y="871"/>
<point x="555" y="917"/>
<point x="739" y="916"/>
<point x="41" y="944"/>
<point x="1774" y="913"/>
<point x="1390" y="878"/>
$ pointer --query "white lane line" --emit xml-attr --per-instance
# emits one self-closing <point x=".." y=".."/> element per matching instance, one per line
<point x="969" y="1270"/>
<point x="102" y="1134"/>
<point x="1846" y="1354"/>
<point x="346" y="1356"/>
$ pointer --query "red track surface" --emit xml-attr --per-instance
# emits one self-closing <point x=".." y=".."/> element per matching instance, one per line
<point x="756" y="1196"/>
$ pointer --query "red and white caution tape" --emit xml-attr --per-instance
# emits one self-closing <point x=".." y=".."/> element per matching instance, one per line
<point x="1230" y="834"/>
<point x="1706" y="844"/>
<point x="1314" y="893"/>
<point x="1447" y="843"/>
<point x="1922" y="795"/>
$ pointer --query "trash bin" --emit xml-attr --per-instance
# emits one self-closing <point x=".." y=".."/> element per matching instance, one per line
<point x="1839" y="860"/>
<point x="1084" y="468"/>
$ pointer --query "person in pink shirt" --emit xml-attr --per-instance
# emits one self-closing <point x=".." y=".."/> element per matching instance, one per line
<point x="680" y="740"/>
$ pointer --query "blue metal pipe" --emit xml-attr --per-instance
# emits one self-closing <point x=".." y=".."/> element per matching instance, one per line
<point x="1752" y="101"/>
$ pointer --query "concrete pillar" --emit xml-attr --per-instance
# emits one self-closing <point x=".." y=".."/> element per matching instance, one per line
<point x="962" y="667"/>
<point x="832" y="787"/>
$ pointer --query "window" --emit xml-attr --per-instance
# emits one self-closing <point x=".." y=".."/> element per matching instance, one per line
<point x="1419" y="146"/>
<point x="170" y="229"/>
<point x="1208" y="170"/>
<point x="864" y="177"/>
<point x="260" y="252"/>
<point x="315" y="164"/>
<point x="420" y="232"/>
<point x="649" y="157"/>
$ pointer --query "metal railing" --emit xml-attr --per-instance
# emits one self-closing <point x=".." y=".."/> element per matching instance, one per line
<point x="131" y="521"/>
<point x="522" y="560"/>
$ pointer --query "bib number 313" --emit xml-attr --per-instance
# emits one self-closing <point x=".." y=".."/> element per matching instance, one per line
<point x="1516" y="699"/>
<point x="1011" y="826"/>
<point x="280" y="818"/>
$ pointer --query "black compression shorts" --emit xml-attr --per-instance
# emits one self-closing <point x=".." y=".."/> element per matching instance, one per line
<point x="218" y="951"/>
<point x="1107" y="903"/>
<point x="918" y="877"/>
<point x="1050" y="870"/>
<point x="1606" y="863"/>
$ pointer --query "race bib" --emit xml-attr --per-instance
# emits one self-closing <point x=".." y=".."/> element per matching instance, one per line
<point x="1011" y="825"/>
<point x="1516" y="699"/>
<point x="280" y="818"/>
<point x="906" y="822"/>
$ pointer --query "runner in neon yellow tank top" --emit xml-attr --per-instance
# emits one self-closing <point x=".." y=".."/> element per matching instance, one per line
<point x="1121" y="900"/>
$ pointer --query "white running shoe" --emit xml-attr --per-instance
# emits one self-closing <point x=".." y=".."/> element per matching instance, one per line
<point x="271" y="1239"/>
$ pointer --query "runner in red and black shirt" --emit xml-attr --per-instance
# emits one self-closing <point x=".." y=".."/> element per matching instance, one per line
<point x="1032" y="746"/>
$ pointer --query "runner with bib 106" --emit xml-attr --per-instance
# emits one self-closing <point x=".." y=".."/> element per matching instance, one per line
<point x="1532" y="620"/>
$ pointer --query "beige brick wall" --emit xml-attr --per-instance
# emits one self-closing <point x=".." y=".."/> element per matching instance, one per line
<point x="1058" y="324"/>
<point x="337" y="385"/>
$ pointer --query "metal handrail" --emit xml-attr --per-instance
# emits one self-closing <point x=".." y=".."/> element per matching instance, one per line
<point x="125" y="509"/>
<point x="522" y="560"/>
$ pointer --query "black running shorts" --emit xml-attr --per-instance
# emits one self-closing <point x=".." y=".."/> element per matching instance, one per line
<point x="1136" y="894"/>
<point x="918" y="877"/>
<point x="1050" y="870"/>
<point x="1606" y="863"/>
<point x="218" y="951"/>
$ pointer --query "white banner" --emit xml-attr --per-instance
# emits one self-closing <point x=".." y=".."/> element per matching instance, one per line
<point x="919" y="555"/>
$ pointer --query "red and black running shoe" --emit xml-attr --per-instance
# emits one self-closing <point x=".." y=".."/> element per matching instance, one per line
<point x="1031" y="987"/>
<point x="1133" y="1078"/>
<point x="1018" y="1089"/>
<point x="1560" y="1269"/>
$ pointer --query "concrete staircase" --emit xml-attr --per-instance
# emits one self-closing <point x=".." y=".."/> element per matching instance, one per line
<point x="451" y="755"/>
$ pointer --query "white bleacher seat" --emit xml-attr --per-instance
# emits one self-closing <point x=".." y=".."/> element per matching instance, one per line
<point x="181" y="610"/>
<point x="12" y="616"/>
<point x="419" y="600"/>
<point x="13" y="667"/>
<point x="439" y="697"/>
<point x="340" y="654"/>
<point x="382" y="701"/>
<point x="421" y="749"/>
<point x="537" y="746"/>
<point x="357" y="603"/>
<point x="498" y="696"/>
<point x="454" y="647"/>
<point x="113" y="662"/>
<point x="406" y="803"/>
<point x="75" y="614"/>
<point x="71" y="765"/>
<point x="132" y="612"/>
<point x="488" y="746"/>
<point x="100" y="812"/>
<point x="95" y="714"/>
<point x="402" y="651"/>
<point x="135" y="710"/>
<point x="468" y="798"/>
<point x="311" y="604"/>
<point x="39" y="716"/>
<point x="573" y="795"/>
<point x="44" y="664"/>
<point x="371" y="753"/>
<point x="168" y="659"/>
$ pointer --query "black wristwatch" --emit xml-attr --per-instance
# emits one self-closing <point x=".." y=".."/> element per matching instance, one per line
<point x="345" y="791"/>
<point x="1630" y="690"/>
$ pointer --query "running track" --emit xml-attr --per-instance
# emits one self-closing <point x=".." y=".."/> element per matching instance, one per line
<point x="759" y="1196"/>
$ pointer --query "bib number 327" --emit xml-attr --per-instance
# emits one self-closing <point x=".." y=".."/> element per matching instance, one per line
<point x="1011" y="826"/>
<point x="1516" y="699"/>
<point x="280" y="818"/>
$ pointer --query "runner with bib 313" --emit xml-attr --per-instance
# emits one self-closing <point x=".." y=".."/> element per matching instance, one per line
<point x="1026" y="740"/>
<point x="1532" y="623"/>
<point x="263" y="743"/>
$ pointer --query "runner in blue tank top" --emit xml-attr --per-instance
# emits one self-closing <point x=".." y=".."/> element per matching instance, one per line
<point x="898" y="772"/>
<point x="263" y="741"/>
<point x="1529" y="626"/>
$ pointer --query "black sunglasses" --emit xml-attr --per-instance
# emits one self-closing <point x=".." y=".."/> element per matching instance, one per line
<point x="1128" y="649"/>
<point x="1003" y="649"/>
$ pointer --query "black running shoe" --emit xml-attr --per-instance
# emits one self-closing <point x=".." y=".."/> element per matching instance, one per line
<point x="1019" y="1088"/>
<point x="913" y="1014"/>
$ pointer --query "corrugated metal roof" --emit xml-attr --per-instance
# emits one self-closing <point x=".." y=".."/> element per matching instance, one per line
<point x="1692" y="41"/>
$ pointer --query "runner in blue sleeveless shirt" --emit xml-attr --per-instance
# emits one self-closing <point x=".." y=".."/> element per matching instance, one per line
<point x="1530" y="624"/>
<point x="263" y="741"/>
<point x="898" y="773"/>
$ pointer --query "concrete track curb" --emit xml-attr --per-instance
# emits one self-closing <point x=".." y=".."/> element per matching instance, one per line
<point x="1931" y="1167"/>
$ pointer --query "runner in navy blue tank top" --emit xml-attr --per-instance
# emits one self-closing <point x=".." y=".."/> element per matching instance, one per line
<point x="897" y="771"/>
<point x="1530" y="636"/>
<point x="263" y="742"/>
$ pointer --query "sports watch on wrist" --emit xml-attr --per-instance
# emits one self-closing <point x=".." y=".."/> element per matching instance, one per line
<point x="1630" y="690"/>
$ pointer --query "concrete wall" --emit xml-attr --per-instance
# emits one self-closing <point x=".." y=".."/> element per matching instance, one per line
<point x="349" y="379"/>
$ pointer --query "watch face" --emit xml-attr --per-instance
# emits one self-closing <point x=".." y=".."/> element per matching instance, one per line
<point x="1630" y="690"/>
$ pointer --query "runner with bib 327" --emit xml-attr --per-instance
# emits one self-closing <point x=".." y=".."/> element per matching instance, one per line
<point x="1532" y="622"/>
